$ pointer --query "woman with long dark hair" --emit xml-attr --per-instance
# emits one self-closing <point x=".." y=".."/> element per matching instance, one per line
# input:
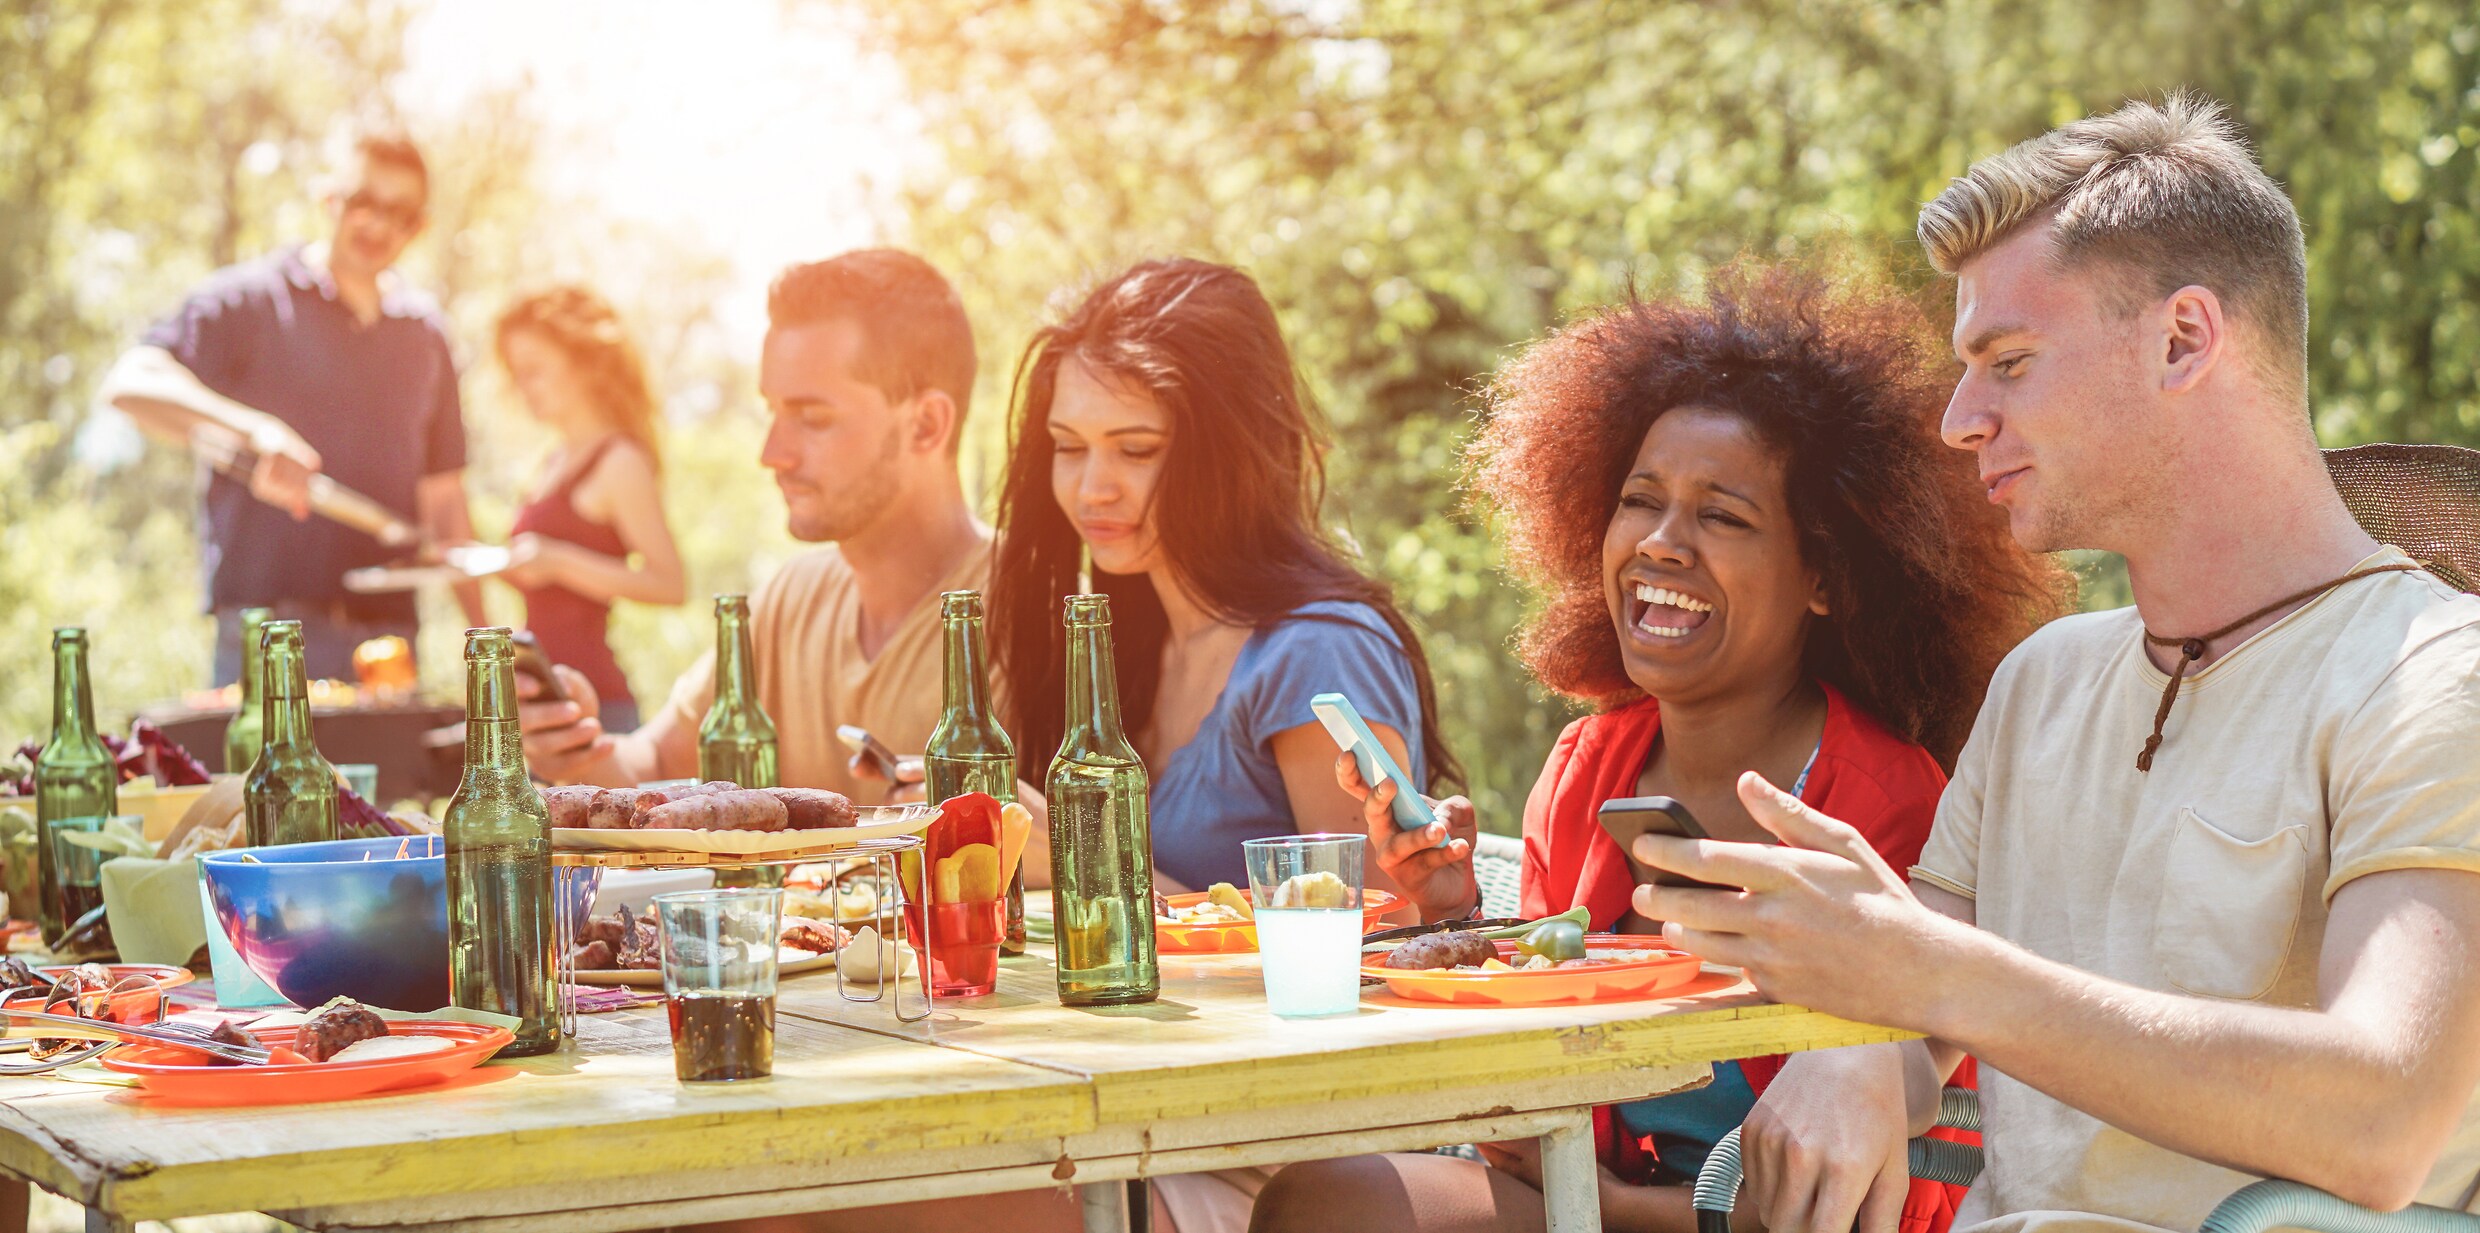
<point x="1162" y="452"/>
<point x="1752" y="552"/>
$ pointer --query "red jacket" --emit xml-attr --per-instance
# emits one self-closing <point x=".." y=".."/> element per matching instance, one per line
<point x="1884" y="786"/>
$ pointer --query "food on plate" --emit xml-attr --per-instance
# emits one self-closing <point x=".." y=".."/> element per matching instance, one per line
<point x="1223" y="905"/>
<point x="15" y="973"/>
<point x="568" y="804"/>
<point x="623" y="940"/>
<point x="715" y="805"/>
<point x="1321" y="889"/>
<point x="385" y="1046"/>
<point x="814" y="809"/>
<point x="857" y="900"/>
<point x="1558" y="939"/>
<point x="337" y="1026"/>
<point x="816" y="937"/>
<point x="223" y="1033"/>
<point x="869" y="959"/>
<point x="732" y="809"/>
<point x="1431" y="951"/>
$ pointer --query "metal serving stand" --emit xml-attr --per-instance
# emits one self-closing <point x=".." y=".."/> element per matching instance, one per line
<point x="878" y="860"/>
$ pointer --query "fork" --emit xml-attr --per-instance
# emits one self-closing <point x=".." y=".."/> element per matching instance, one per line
<point x="30" y="1025"/>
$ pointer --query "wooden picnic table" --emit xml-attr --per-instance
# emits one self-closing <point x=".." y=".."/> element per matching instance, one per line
<point x="1004" y="1093"/>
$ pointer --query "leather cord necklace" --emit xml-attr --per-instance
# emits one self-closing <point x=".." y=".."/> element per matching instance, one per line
<point x="2192" y="649"/>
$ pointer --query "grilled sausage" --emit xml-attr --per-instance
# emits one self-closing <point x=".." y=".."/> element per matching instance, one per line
<point x="1461" y="948"/>
<point x="737" y="809"/>
<point x="811" y="809"/>
<point x="330" y="1030"/>
<point x="568" y="805"/>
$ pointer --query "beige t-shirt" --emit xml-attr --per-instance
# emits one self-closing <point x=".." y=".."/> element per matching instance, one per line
<point x="806" y="628"/>
<point x="2344" y="740"/>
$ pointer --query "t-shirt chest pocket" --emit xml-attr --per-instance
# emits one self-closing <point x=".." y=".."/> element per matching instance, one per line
<point x="2229" y="908"/>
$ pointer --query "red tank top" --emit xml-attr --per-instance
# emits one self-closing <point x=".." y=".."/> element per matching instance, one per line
<point x="571" y="627"/>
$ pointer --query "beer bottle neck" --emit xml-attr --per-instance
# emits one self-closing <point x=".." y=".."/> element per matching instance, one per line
<point x="964" y="678"/>
<point x="73" y="696"/>
<point x="1093" y="691"/>
<point x="252" y="664"/>
<point x="493" y="742"/>
<point x="736" y="683"/>
<point x="284" y="692"/>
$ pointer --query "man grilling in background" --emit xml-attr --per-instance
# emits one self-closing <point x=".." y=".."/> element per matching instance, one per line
<point x="319" y="361"/>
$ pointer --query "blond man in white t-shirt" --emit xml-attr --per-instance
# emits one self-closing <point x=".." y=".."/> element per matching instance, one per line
<point x="2222" y="849"/>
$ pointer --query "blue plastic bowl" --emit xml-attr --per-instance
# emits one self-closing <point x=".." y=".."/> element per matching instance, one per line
<point x="339" y="919"/>
<point x="347" y="918"/>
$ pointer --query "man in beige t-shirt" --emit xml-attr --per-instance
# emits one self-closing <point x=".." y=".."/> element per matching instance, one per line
<point x="2203" y="896"/>
<point x="867" y="372"/>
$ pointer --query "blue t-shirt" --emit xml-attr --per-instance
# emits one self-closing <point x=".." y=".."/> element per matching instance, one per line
<point x="1223" y="785"/>
<point x="377" y="401"/>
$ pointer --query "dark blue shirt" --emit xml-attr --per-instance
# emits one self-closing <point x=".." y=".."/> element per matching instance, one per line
<point x="377" y="401"/>
<point x="1224" y="786"/>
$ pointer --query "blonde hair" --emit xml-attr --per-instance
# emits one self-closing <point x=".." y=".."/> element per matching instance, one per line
<point x="2168" y="194"/>
<point x="586" y="329"/>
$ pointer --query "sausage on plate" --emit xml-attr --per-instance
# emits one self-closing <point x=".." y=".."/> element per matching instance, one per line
<point x="568" y="805"/>
<point x="738" y="809"/>
<point x="811" y="809"/>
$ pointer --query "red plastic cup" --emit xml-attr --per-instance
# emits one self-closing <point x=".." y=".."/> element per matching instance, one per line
<point x="963" y="947"/>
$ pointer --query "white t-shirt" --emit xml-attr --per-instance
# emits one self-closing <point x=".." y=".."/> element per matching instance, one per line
<point x="2341" y="741"/>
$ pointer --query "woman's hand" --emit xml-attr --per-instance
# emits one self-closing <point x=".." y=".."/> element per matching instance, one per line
<point x="911" y="783"/>
<point x="1437" y="878"/>
<point x="533" y="561"/>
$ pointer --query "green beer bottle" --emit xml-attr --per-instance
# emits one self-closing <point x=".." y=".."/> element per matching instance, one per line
<point x="248" y="727"/>
<point x="1102" y="855"/>
<point x="969" y="751"/>
<point x="290" y="794"/>
<point x="737" y="741"/>
<point x="499" y="859"/>
<point x="74" y="776"/>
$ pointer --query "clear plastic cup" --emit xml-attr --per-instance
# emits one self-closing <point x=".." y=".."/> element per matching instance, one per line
<point x="719" y="951"/>
<point x="1306" y="893"/>
<point x="363" y="778"/>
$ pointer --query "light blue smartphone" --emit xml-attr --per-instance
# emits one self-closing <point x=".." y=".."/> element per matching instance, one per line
<point x="1344" y="723"/>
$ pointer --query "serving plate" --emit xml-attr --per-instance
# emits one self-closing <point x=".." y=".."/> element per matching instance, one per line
<point x="1241" y="939"/>
<point x="789" y="961"/>
<point x="178" y="1076"/>
<point x="871" y="822"/>
<point x="1666" y="969"/>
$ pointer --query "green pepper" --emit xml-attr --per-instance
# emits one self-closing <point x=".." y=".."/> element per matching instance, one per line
<point x="1557" y="940"/>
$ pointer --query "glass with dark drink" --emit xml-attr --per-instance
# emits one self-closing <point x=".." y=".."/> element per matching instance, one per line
<point x="719" y="949"/>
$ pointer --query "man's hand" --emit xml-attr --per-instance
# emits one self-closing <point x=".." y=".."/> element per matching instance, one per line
<point x="1826" y="1144"/>
<point x="562" y="739"/>
<point x="1823" y="922"/>
<point x="285" y="465"/>
<point x="912" y="779"/>
<point x="1438" y="878"/>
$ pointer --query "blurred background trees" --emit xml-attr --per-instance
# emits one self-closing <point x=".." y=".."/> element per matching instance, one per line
<point x="1421" y="185"/>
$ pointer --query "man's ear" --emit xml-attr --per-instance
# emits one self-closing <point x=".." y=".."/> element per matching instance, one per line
<point x="2195" y="335"/>
<point x="934" y="422"/>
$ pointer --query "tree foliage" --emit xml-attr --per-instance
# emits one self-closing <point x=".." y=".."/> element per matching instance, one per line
<point x="1422" y="185"/>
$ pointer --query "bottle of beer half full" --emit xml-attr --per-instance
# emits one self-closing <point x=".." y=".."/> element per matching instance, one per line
<point x="499" y="859"/>
<point x="74" y="776"/>
<point x="969" y="751"/>
<point x="290" y="794"/>
<point x="1102" y="855"/>
<point x="737" y="741"/>
<point x="248" y="726"/>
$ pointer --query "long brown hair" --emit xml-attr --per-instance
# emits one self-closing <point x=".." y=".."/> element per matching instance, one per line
<point x="1237" y="508"/>
<point x="586" y="329"/>
<point x="1927" y="589"/>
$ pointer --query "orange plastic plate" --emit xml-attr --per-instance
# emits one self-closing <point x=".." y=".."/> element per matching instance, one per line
<point x="179" y="1076"/>
<point x="133" y="1006"/>
<point x="1611" y="982"/>
<point x="1242" y="939"/>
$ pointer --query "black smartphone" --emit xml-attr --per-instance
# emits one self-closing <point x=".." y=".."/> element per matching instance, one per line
<point x="869" y="749"/>
<point x="531" y="662"/>
<point x="1628" y="817"/>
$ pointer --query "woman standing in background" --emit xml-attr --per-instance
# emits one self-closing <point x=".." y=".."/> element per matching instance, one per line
<point x="592" y="528"/>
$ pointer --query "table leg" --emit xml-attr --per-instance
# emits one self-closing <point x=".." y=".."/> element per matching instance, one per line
<point x="15" y="1196"/>
<point x="101" y="1221"/>
<point x="1105" y="1206"/>
<point x="1571" y="1177"/>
